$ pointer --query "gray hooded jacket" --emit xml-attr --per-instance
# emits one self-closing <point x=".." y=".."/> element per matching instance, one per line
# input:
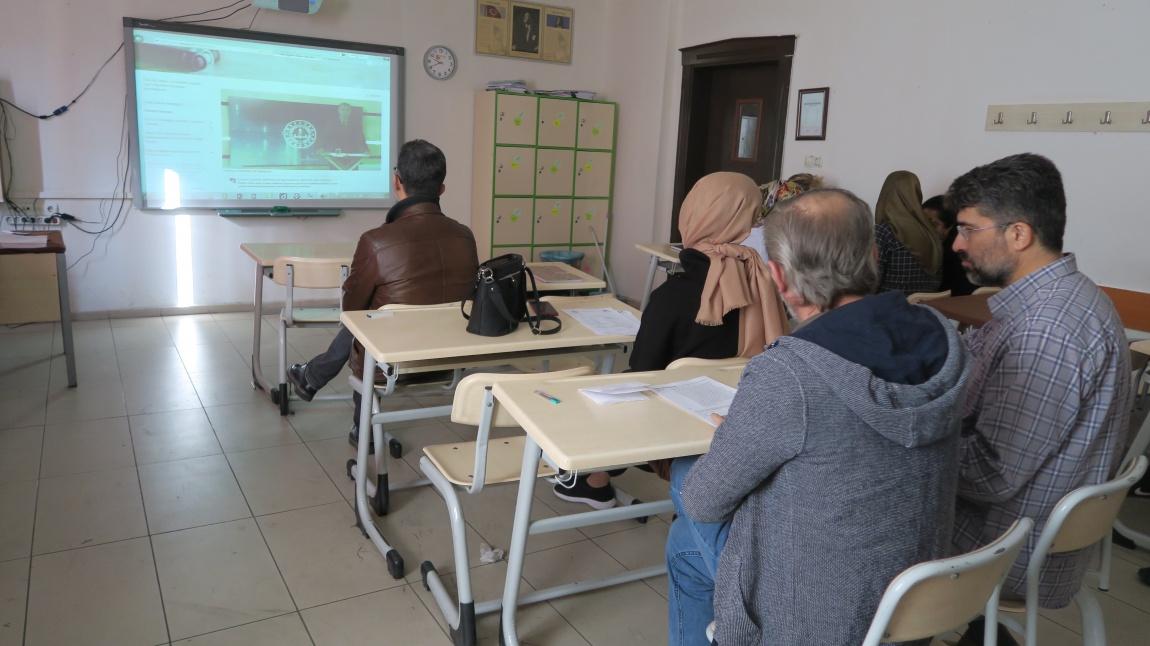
<point x="834" y="481"/>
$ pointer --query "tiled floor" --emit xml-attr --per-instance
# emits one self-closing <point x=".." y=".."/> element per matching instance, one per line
<point x="164" y="501"/>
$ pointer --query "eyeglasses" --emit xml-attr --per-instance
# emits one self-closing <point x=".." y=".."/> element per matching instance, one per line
<point x="965" y="230"/>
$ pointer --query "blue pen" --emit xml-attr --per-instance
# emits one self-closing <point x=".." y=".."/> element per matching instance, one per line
<point x="550" y="398"/>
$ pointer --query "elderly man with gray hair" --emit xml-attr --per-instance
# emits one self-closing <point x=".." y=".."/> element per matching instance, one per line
<point x="836" y="467"/>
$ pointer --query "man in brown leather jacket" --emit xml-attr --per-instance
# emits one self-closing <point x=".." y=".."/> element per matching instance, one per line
<point x="418" y="256"/>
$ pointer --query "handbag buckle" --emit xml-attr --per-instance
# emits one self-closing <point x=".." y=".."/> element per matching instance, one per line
<point x="486" y="275"/>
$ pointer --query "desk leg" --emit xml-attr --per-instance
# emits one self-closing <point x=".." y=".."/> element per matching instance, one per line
<point x="518" y="549"/>
<point x="651" y="267"/>
<point x="258" y="380"/>
<point x="362" y="511"/>
<point x="66" y="317"/>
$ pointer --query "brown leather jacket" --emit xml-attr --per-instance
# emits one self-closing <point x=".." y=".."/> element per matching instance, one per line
<point x="422" y="257"/>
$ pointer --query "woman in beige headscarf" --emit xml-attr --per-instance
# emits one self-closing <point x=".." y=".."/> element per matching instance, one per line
<point x="910" y="251"/>
<point x="723" y="304"/>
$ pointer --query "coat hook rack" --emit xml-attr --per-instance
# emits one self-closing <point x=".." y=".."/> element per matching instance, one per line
<point x="1105" y="120"/>
<point x="1069" y="118"/>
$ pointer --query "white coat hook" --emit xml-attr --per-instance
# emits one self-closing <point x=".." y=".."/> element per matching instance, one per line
<point x="1105" y="120"/>
<point x="1033" y="120"/>
<point x="998" y="120"/>
<point x="1069" y="119"/>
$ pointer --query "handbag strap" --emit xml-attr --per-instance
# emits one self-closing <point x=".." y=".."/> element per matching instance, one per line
<point x="535" y="321"/>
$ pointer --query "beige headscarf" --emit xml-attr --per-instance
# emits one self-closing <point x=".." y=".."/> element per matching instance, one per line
<point x="715" y="217"/>
<point x="900" y="205"/>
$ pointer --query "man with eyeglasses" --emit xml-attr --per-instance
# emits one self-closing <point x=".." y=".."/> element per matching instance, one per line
<point x="1047" y="406"/>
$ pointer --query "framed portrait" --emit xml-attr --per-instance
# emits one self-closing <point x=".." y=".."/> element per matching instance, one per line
<point x="812" y="113"/>
<point x="526" y="37"/>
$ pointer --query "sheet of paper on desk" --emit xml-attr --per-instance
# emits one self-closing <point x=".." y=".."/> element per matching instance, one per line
<point x="24" y="242"/>
<point x="628" y="391"/>
<point x="552" y="274"/>
<point x="605" y="321"/>
<point x="700" y="396"/>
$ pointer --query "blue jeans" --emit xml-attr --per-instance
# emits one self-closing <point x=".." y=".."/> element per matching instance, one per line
<point x="693" y="551"/>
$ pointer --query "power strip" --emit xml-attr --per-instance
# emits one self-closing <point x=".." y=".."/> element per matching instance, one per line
<point x="32" y="222"/>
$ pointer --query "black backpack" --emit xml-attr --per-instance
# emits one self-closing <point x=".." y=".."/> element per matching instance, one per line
<point x="499" y="299"/>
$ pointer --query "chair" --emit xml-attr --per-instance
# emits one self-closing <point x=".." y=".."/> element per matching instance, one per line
<point x="1080" y="520"/>
<point x="688" y="362"/>
<point x="1137" y="447"/>
<point x="987" y="290"/>
<point x="936" y="597"/>
<point x="922" y="297"/>
<point x="470" y="466"/>
<point x="306" y="273"/>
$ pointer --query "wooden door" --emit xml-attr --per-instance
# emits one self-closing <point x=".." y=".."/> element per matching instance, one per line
<point x="733" y="112"/>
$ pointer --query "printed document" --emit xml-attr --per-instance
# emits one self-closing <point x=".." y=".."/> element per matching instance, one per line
<point x="700" y="396"/>
<point x="605" y="321"/>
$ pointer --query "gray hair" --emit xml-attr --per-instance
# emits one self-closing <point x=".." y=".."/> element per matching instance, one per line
<point x="824" y="242"/>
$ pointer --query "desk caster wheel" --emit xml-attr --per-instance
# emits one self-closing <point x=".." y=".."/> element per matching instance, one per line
<point x="395" y="447"/>
<point x="394" y="564"/>
<point x="351" y="469"/>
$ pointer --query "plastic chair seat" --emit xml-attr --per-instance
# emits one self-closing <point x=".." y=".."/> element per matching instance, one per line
<point x="305" y="315"/>
<point x="504" y="460"/>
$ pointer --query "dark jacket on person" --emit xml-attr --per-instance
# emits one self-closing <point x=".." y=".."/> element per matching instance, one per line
<point x="837" y="467"/>
<point x="668" y="330"/>
<point x="418" y="257"/>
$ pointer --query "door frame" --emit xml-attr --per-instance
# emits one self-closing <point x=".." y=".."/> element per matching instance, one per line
<point x="733" y="51"/>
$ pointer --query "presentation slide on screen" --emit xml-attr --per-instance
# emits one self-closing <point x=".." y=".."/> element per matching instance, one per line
<point x="222" y="120"/>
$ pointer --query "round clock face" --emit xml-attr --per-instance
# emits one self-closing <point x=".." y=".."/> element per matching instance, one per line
<point x="439" y="63"/>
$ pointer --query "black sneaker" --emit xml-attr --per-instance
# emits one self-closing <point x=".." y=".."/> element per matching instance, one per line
<point x="353" y="439"/>
<point x="581" y="491"/>
<point x="299" y="382"/>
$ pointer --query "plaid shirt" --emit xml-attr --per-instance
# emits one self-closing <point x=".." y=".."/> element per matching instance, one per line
<point x="1046" y="412"/>
<point x="898" y="269"/>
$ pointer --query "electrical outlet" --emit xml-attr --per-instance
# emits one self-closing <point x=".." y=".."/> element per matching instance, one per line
<point x="51" y="208"/>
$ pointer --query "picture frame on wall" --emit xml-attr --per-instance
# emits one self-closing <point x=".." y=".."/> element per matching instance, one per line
<point x="526" y="30"/>
<point x="811" y="116"/>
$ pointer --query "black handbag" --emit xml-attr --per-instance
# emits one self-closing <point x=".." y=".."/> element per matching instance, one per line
<point x="499" y="299"/>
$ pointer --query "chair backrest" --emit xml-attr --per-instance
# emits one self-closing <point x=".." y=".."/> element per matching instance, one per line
<point x="1084" y="516"/>
<point x="688" y="362"/>
<point x="939" y="596"/>
<point x="922" y="297"/>
<point x="467" y="407"/>
<point x="1139" y="445"/>
<point x="987" y="290"/>
<point x="309" y="273"/>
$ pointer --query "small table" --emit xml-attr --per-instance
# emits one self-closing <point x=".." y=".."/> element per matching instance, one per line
<point x="265" y="254"/>
<point x="579" y="435"/>
<point x="435" y="337"/>
<point x="54" y="244"/>
<point x="572" y="279"/>
<point x="664" y="256"/>
<point x="969" y="311"/>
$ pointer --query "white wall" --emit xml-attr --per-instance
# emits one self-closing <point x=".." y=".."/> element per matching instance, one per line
<point x="910" y="82"/>
<point x="49" y="48"/>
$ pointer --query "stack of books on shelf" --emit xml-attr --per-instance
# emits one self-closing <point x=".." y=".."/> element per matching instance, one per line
<point x="519" y="87"/>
